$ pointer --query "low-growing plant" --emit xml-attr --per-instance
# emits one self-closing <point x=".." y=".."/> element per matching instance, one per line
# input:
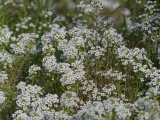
<point x="79" y="64"/>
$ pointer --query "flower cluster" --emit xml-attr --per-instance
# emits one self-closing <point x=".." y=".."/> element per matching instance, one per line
<point x="46" y="14"/>
<point x="149" y="22"/>
<point x="32" y="105"/>
<point x="25" y="43"/>
<point x="69" y="99"/>
<point x="5" y="35"/>
<point x="2" y="97"/>
<point x="6" y="58"/>
<point x="33" y="69"/>
<point x="3" y="76"/>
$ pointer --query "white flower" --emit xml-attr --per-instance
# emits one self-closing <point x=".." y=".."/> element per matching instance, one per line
<point x="123" y="110"/>
<point x="50" y="99"/>
<point x="3" y="76"/>
<point x="33" y="69"/>
<point x="69" y="99"/>
<point x="5" y="35"/>
<point x="2" y="97"/>
<point x="25" y="43"/>
<point x="50" y="63"/>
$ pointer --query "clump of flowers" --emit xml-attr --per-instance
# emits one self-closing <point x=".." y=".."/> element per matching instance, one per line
<point x="2" y="98"/>
<point x="80" y="69"/>
<point x="32" y="105"/>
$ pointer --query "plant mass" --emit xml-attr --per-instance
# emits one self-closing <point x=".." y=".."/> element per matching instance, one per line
<point x="79" y="60"/>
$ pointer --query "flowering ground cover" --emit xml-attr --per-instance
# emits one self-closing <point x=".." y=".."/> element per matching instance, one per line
<point x="79" y="60"/>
